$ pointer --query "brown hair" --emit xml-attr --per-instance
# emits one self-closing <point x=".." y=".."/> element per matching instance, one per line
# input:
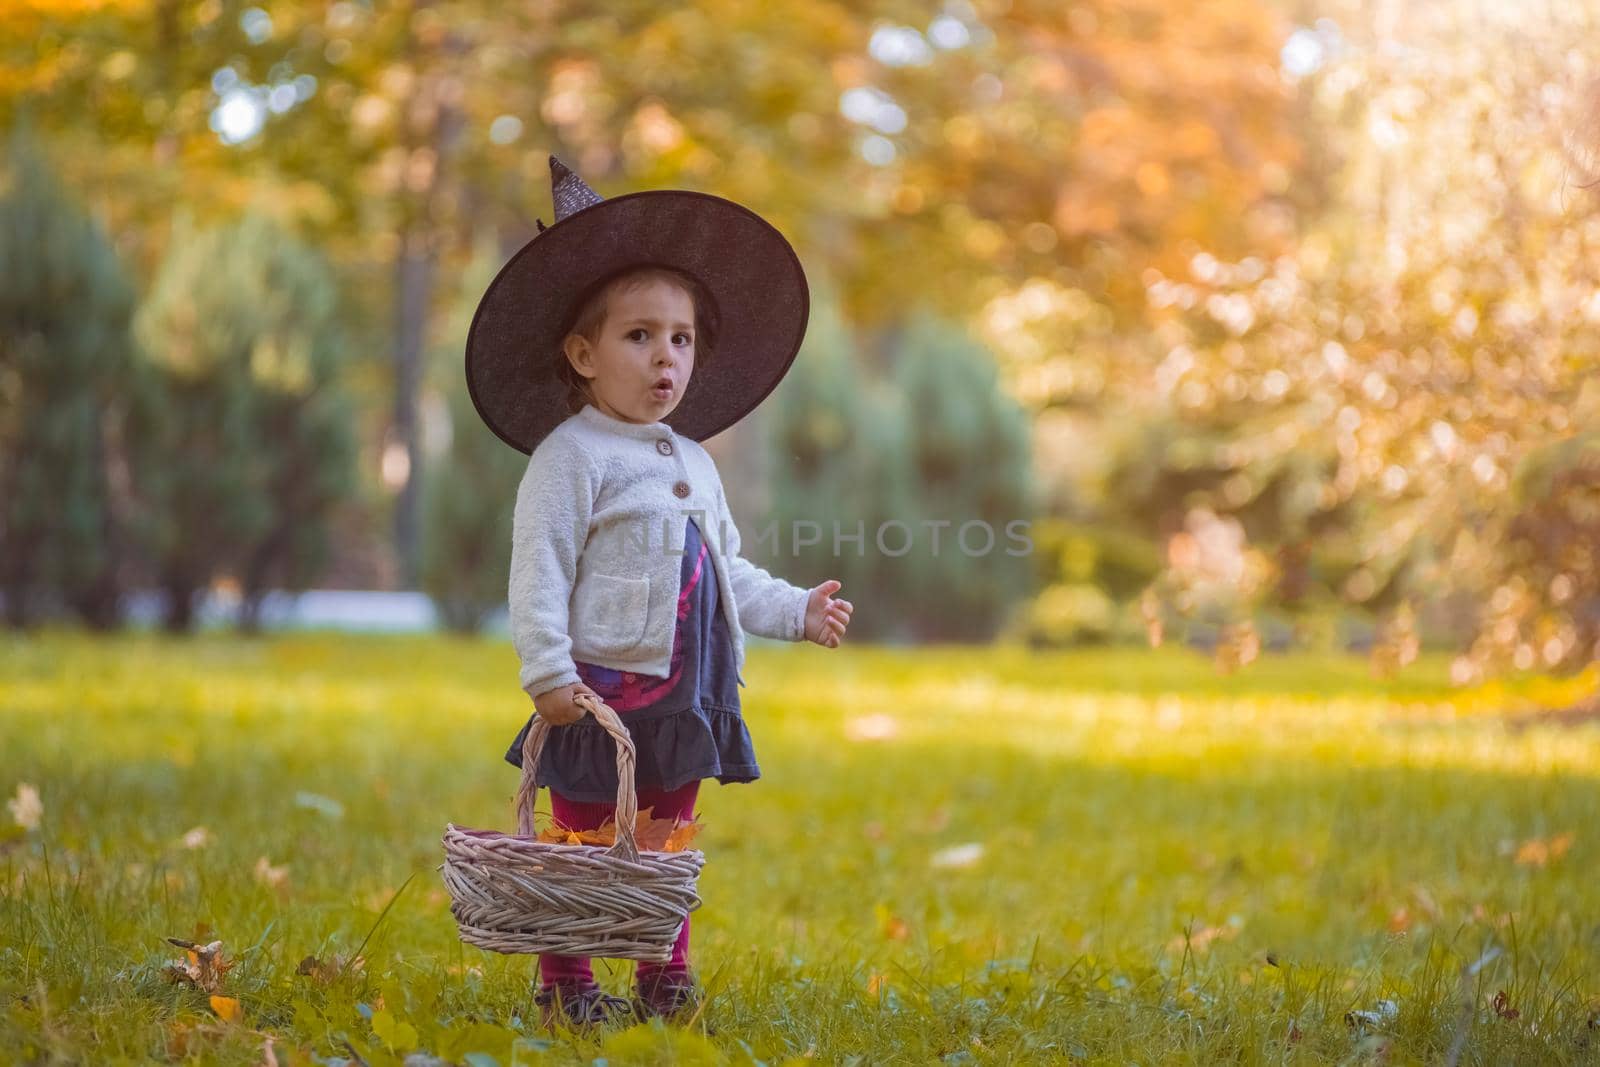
<point x="590" y="318"/>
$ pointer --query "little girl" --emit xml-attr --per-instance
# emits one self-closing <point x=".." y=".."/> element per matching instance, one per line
<point x="636" y="291"/>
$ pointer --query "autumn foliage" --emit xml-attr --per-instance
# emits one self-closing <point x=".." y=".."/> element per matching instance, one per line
<point x="651" y="834"/>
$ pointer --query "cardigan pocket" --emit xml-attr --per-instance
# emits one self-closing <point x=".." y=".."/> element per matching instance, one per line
<point x="609" y="611"/>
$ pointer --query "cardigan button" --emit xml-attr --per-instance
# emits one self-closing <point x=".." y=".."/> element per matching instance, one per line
<point x="664" y="447"/>
<point x="681" y="489"/>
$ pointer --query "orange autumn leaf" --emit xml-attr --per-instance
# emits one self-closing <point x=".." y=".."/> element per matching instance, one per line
<point x="226" y="1008"/>
<point x="679" y="839"/>
<point x="1538" y="853"/>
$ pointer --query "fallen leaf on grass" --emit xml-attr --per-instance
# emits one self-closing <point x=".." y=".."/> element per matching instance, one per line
<point x="199" y="837"/>
<point x="203" y="966"/>
<point x="1502" y="1006"/>
<point x="891" y="925"/>
<point x="267" y="874"/>
<point x="1538" y="853"/>
<point x="1382" y="1012"/>
<point x="227" y="1008"/>
<point x="1200" y="940"/>
<point x="877" y="727"/>
<point x="26" y="807"/>
<point x="325" y="971"/>
<point x="876" y="982"/>
<point x="958" y="856"/>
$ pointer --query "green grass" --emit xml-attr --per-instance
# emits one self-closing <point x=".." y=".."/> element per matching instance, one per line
<point x="1177" y="867"/>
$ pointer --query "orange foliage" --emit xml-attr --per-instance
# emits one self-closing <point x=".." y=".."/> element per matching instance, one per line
<point x="651" y="833"/>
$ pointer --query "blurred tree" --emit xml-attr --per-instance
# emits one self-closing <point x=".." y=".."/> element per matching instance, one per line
<point x="835" y="443"/>
<point x="252" y="447"/>
<point x="1078" y="143"/>
<point x="1088" y="574"/>
<point x="951" y="155"/>
<point x="66" y="379"/>
<point x="968" y="460"/>
<point x="470" y="486"/>
<point x="1549" y="597"/>
<point x="1357" y="401"/>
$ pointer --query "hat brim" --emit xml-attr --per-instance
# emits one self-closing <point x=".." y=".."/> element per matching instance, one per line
<point x="750" y="269"/>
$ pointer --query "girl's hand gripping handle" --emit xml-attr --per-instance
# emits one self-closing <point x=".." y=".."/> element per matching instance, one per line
<point x="559" y="706"/>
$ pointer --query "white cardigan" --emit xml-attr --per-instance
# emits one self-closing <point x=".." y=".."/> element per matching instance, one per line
<point x="597" y="552"/>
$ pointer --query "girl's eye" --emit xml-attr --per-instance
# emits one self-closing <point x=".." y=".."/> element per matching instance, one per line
<point x="677" y="338"/>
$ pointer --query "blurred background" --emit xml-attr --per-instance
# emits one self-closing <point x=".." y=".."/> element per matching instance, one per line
<point x="1276" y="321"/>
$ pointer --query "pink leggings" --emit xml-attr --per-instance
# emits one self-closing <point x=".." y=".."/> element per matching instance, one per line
<point x="588" y="815"/>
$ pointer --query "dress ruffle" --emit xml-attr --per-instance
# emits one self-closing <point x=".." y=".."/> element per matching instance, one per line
<point x="672" y="746"/>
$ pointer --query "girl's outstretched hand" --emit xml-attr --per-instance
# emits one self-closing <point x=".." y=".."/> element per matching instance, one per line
<point x="827" y="617"/>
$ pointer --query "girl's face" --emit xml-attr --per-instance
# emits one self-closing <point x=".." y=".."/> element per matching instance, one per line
<point x="640" y="366"/>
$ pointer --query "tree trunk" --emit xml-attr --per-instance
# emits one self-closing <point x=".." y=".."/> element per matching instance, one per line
<point x="179" y="613"/>
<point x="414" y="275"/>
<point x="98" y="601"/>
<point x="16" y="605"/>
<point x="249" y="622"/>
<point x="434" y="123"/>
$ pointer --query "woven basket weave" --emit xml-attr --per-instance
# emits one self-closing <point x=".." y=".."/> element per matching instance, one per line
<point x="514" y="893"/>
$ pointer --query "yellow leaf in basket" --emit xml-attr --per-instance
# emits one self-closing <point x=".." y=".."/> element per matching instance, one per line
<point x="652" y="833"/>
<point x="679" y="839"/>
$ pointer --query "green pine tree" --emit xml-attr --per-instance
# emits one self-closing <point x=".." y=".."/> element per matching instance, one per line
<point x="65" y="372"/>
<point x="468" y="491"/>
<point x="967" y="456"/>
<point x="835" y="442"/>
<point x="253" y="445"/>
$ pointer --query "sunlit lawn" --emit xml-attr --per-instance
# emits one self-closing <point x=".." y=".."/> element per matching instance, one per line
<point x="1161" y="865"/>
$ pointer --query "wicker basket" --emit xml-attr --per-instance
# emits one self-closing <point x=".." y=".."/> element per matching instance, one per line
<point x="514" y="893"/>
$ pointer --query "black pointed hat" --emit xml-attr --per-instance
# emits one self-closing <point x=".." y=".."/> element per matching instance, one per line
<point x="752" y="274"/>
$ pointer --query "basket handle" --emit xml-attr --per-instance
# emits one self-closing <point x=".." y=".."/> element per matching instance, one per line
<point x="627" y="846"/>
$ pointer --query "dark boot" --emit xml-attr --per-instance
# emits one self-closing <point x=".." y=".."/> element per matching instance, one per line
<point x="583" y="1006"/>
<point x="670" y="994"/>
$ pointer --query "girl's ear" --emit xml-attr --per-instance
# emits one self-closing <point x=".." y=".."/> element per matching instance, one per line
<point x="576" y="347"/>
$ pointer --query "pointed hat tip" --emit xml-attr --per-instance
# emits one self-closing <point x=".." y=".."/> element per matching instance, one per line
<point x="558" y="169"/>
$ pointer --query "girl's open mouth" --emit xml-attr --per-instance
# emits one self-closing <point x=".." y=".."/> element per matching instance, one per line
<point x="662" y="391"/>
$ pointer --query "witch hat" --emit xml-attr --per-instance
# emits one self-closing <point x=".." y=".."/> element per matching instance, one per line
<point x="754" y="278"/>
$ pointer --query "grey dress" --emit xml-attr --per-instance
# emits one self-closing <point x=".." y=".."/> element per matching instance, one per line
<point x="685" y="727"/>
